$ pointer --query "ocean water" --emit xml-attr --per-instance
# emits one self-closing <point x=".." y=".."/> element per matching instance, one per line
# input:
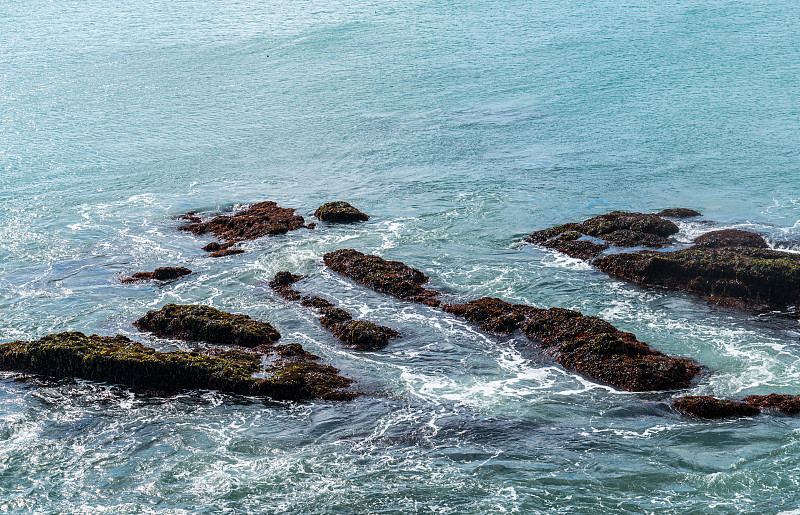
<point x="460" y="127"/>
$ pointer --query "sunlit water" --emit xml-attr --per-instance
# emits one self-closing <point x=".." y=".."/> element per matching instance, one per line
<point x="459" y="127"/>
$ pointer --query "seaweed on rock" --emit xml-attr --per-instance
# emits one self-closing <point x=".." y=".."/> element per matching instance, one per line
<point x="194" y="322"/>
<point x="703" y="406"/>
<point x="359" y="334"/>
<point x="586" y="344"/>
<point x="340" y="212"/>
<point x="120" y="360"/>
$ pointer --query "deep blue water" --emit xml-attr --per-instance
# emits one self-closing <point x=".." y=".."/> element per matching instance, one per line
<point x="459" y="127"/>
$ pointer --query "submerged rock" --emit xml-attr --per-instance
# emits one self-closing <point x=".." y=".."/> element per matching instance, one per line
<point x="703" y="406"/>
<point x="390" y="277"/>
<point x="339" y="212"/>
<point x="166" y="273"/>
<point x="785" y="403"/>
<point x="120" y="360"/>
<point x="195" y="323"/>
<point x="359" y="334"/>
<point x="586" y="344"/>
<point x="730" y="267"/>
<point x="262" y="219"/>
<point x="226" y="252"/>
<point x="679" y="212"/>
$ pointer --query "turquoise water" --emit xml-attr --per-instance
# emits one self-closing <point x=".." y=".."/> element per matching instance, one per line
<point x="460" y="127"/>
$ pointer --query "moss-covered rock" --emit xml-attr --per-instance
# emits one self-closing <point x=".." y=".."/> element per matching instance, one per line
<point x="339" y="212"/>
<point x="731" y="238"/>
<point x="703" y="406"/>
<point x="390" y="277"/>
<point x="262" y="219"/>
<point x="359" y="334"/>
<point x="588" y="345"/>
<point x="618" y="228"/>
<point x="203" y="323"/>
<point x="760" y="278"/>
<point x="166" y="273"/>
<point x="119" y="360"/>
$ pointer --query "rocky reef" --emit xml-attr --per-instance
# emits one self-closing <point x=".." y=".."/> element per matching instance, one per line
<point x="341" y="212"/>
<point x="390" y="277"/>
<point x="261" y="219"/>
<point x="120" y="360"/>
<point x="192" y="322"/>
<point x="359" y="334"/>
<point x="730" y="267"/>
<point x="166" y="273"/>
<point x="585" y="344"/>
<point x="703" y="406"/>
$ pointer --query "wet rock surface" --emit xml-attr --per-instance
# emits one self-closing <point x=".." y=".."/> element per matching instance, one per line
<point x="703" y="406"/>
<point x="192" y="322"/>
<point x="261" y="219"/>
<point x="341" y="212"/>
<point x="731" y="238"/>
<point x="731" y="267"/>
<point x="390" y="277"/>
<point x="786" y="403"/>
<point x="359" y="334"/>
<point x="120" y="360"/>
<point x="679" y="212"/>
<point x="587" y="345"/>
<point x="166" y="273"/>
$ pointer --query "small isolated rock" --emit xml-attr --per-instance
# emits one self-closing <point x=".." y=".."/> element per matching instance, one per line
<point x="731" y="238"/>
<point x="339" y="212"/>
<point x="226" y="252"/>
<point x="166" y="273"/>
<point x="704" y="406"/>
<point x="679" y="212"/>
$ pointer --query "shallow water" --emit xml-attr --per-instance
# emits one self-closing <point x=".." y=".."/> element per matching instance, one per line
<point x="459" y="127"/>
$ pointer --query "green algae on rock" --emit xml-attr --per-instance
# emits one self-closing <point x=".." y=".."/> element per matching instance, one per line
<point x="194" y="322"/>
<point x="340" y="212"/>
<point x="359" y="334"/>
<point x="390" y="277"/>
<point x="120" y="360"/>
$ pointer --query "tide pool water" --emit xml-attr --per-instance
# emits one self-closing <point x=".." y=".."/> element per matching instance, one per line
<point x="460" y="127"/>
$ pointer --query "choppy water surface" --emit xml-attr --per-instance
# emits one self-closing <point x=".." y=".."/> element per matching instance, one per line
<point x="460" y="127"/>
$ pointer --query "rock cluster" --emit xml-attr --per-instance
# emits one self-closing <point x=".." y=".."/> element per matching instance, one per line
<point x="586" y="344"/>
<point x="120" y="360"/>
<point x="359" y="334"/>
<point x="730" y="267"/>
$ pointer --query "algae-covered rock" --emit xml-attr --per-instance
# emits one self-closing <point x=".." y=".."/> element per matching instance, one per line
<point x="203" y="323"/>
<point x="679" y="212"/>
<point x="618" y="228"/>
<point x="166" y="273"/>
<point x="785" y="403"/>
<point x="731" y="238"/>
<point x="703" y="406"/>
<point x="119" y="360"/>
<point x="586" y="344"/>
<point x="339" y="212"/>
<point x="761" y="278"/>
<point x="262" y="219"/>
<point x="390" y="277"/>
<point x="359" y="334"/>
